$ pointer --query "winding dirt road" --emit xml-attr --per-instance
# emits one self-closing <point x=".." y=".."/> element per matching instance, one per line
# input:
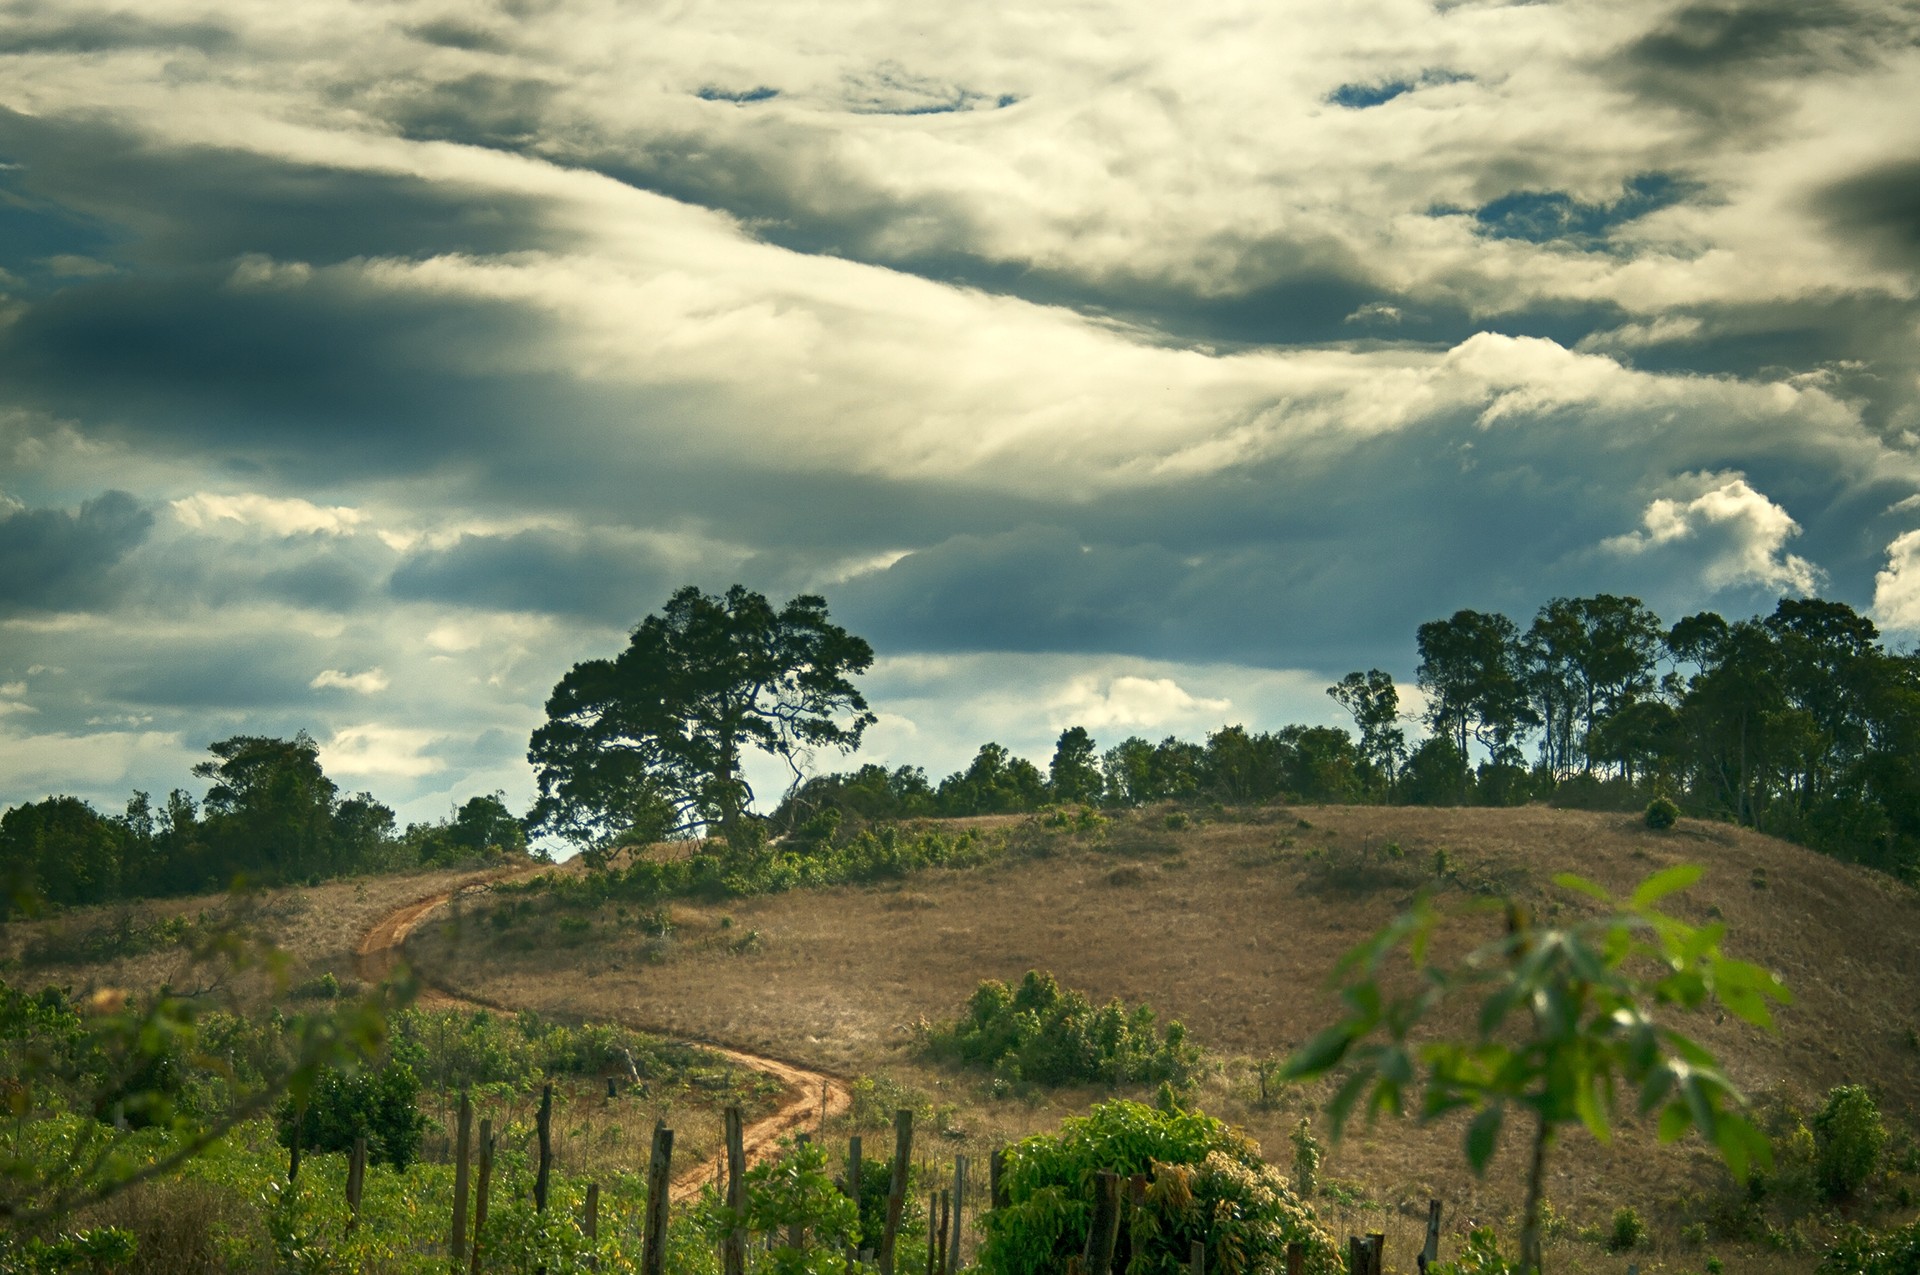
<point x="806" y="1096"/>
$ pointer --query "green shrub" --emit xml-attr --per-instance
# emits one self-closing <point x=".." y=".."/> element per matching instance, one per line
<point x="1307" y="1154"/>
<point x="1208" y="1185"/>
<point x="1858" y="1251"/>
<point x="1048" y="1035"/>
<point x="1481" y="1256"/>
<point x="383" y="1104"/>
<point x="1628" y="1230"/>
<point x="1662" y="813"/>
<point x="1848" y="1137"/>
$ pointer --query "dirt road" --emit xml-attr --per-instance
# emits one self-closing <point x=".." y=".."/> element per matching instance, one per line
<point x="806" y="1096"/>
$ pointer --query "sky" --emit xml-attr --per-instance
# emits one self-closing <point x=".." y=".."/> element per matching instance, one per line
<point x="365" y="365"/>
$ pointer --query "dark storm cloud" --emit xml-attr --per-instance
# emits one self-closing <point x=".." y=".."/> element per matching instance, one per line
<point x="545" y="571"/>
<point x="1720" y="60"/>
<point x="452" y="33"/>
<point x="185" y="205"/>
<point x="480" y="109"/>
<point x="52" y="560"/>
<point x="1880" y="207"/>
<point x="280" y="377"/>
<point x="105" y="31"/>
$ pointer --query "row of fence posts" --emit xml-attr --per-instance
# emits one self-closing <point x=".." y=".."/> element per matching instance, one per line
<point x="945" y="1206"/>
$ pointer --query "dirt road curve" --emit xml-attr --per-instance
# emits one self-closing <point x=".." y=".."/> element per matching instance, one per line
<point x="805" y="1096"/>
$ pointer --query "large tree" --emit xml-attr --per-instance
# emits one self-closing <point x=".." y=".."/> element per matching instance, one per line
<point x="652" y="742"/>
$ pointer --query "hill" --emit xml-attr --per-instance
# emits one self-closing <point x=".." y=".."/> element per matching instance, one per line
<point x="1230" y="925"/>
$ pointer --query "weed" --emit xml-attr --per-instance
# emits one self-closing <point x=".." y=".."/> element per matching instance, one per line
<point x="1628" y="1232"/>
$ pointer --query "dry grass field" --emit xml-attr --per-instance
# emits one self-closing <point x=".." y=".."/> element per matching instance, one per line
<point x="1231" y="926"/>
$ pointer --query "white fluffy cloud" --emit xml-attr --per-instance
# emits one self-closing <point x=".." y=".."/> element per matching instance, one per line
<point x="275" y="515"/>
<point x="381" y="752"/>
<point x="370" y="682"/>
<point x="1896" y="590"/>
<point x="1734" y="533"/>
<point x="1129" y="701"/>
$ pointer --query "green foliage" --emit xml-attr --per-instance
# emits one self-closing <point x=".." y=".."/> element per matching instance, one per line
<point x="1848" y="1137"/>
<point x="652" y="741"/>
<point x="1044" y="1034"/>
<point x="1307" y="1154"/>
<point x="1208" y="1184"/>
<point x="382" y="1104"/>
<point x="1662" y="813"/>
<point x="1480" y="1256"/>
<point x="1628" y="1230"/>
<point x="1859" y="1251"/>
<point x="1566" y="1018"/>
<point x="790" y="1193"/>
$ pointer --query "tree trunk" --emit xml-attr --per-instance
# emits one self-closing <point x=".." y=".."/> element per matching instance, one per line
<point x="1531" y="1241"/>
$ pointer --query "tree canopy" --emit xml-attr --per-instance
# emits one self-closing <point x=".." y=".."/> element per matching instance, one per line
<point x="651" y="743"/>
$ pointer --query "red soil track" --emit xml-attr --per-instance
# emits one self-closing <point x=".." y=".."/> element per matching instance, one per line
<point x="806" y="1096"/>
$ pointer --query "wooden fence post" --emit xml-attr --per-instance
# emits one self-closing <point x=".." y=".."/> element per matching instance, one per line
<point x="356" y="1178"/>
<point x="462" y="1155"/>
<point x="797" y="1231"/>
<point x="853" y="1168"/>
<point x="1197" y="1258"/>
<point x="1105" y="1230"/>
<point x="734" y="1251"/>
<point x="590" y="1223"/>
<point x="480" y="1189"/>
<point x="544" y="1123"/>
<point x="896" y="1187"/>
<point x="1431" y="1250"/>
<point x="1296" y="1258"/>
<point x="293" y="1157"/>
<point x="1356" y="1255"/>
<point x="933" y="1241"/>
<point x="1376" y="1252"/>
<point x="653" y="1252"/>
<point x="996" y="1178"/>
<point x="959" y="1210"/>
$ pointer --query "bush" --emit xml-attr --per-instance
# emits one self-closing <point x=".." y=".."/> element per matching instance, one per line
<point x="1662" y="813"/>
<point x="1307" y="1154"/>
<point x="1048" y="1035"/>
<point x="1628" y="1230"/>
<point x="1859" y="1251"/>
<point x="1208" y="1185"/>
<point x="383" y="1104"/>
<point x="1847" y="1137"/>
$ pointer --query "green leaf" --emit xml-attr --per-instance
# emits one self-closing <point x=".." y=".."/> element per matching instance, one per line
<point x="1661" y="884"/>
<point x="1579" y="884"/>
<point x="1319" y="1055"/>
<point x="1483" y="1137"/>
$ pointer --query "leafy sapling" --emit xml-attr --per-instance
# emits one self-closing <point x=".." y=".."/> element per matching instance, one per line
<point x="1568" y="1017"/>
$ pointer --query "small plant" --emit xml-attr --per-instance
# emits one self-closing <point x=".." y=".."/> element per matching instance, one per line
<point x="1848" y="1137"/>
<point x="1481" y="1256"/>
<point x="1440" y="864"/>
<point x="1715" y="1266"/>
<point x="1628" y="1232"/>
<point x="325" y="987"/>
<point x="1662" y="813"/>
<point x="1757" y="878"/>
<point x="1694" y="1233"/>
<point x="1176" y="820"/>
<point x="1307" y="1154"/>
<point x="1045" y="1034"/>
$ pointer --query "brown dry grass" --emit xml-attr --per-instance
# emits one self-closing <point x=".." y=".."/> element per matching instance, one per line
<point x="1220" y="926"/>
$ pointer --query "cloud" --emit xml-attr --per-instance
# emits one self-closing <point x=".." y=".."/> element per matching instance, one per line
<point x="1129" y="701"/>
<point x="51" y="559"/>
<point x="1734" y="532"/>
<point x="284" y="516"/>
<point x="371" y="682"/>
<point x="380" y="752"/>
<point x="1896" y="590"/>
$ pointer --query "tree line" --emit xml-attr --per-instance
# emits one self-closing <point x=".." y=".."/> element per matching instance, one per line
<point x="269" y="816"/>
<point x="1800" y="723"/>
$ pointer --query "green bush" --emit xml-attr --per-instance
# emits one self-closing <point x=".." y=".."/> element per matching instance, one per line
<point x="1208" y="1184"/>
<point x="1307" y="1154"/>
<point x="1048" y="1035"/>
<point x="1481" y="1256"/>
<point x="1859" y="1251"/>
<point x="1628" y="1230"/>
<point x="1848" y="1138"/>
<point x="1662" y="813"/>
<point x="381" y="1103"/>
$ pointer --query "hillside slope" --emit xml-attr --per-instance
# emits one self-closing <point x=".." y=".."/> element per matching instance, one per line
<point x="1231" y="927"/>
